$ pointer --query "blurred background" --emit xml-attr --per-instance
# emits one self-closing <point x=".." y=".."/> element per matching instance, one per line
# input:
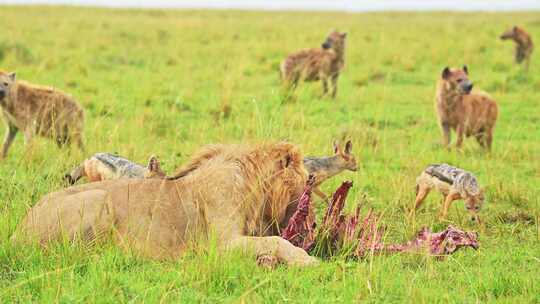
<point x="340" y="5"/>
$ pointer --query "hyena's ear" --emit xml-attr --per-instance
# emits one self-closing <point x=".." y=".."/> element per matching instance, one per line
<point x="348" y="147"/>
<point x="12" y="76"/>
<point x="466" y="69"/>
<point x="336" y="147"/>
<point x="446" y="73"/>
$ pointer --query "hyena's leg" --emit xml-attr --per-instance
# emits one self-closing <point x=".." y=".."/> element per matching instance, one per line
<point x="275" y="246"/>
<point x="28" y="135"/>
<point x="77" y="138"/>
<point x="445" y="128"/>
<point x="481" y="139"/>
<point x="422" y="192"/>
<point x="489" y="139"/>
<point x="334" y="85"/>
<point x="324" y="81"/>
<point x="459" y="131"/>
<point x="11" y="132"/>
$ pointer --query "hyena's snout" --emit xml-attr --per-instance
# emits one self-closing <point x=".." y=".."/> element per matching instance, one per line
<point x="507" y="35"/>
<point x="466" y="86"/>
<point x="327" y="44"/>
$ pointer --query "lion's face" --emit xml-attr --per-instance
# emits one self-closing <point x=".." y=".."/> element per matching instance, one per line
<point x="286" y="181"/>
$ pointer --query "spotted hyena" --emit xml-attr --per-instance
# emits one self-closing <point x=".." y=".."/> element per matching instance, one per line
<point x="467" y="112"/>
<point x="524" y="44"/>
<point x="38" y="110"/>
<point x="316" y="64"/>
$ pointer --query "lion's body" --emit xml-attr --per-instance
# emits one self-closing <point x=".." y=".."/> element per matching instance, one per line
<point x="239" y="195"/>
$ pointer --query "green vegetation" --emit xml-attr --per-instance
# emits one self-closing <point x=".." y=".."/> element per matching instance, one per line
<point x="166" y="82"/>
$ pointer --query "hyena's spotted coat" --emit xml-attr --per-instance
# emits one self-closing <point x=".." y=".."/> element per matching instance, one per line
<point x="524" y="44"/>
<point x="469" y="113"/>
<point x="316" y="64"/>
<point x="38" y="110"/>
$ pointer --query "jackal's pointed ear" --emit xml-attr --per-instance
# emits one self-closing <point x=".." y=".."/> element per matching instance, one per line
<point x="344" y="35"/>
<point x="336" y="147"/>
<point x="12" y="76"/>
<point x="446" y="73"/>
<point x="348" y="147"/>
<point x="466" y="69"/>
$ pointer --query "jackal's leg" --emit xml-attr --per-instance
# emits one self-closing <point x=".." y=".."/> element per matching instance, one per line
<point x="422" y="192"/>
<point x="447" y="202"/>
<point x="334" y="85"/>
<point x="320" y="194"/>
<point x="275" y="246"/>
<point x="11" y="132"/>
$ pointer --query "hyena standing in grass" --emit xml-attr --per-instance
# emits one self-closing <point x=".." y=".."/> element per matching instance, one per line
<point x="524" y="44"/>
<point x="323" y="168"/>
<point x="104" y="166"/>
<point x="454" y="184"/>
<point x="322" y="64"/>
<point x="37" y="110"/>
<point x="468" y="113"/>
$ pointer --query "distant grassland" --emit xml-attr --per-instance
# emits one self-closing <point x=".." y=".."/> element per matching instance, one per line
<point x="166" y="82"/>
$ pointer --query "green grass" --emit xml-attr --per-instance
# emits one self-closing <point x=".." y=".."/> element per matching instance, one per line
<point x="154" y="82"/>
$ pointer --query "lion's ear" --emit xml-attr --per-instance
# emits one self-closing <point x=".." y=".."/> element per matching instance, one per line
<point x="12" y="76"/>
<point x="466" y="69"/>
<point x="153" y="164"/>
<point x="287" y="161"/>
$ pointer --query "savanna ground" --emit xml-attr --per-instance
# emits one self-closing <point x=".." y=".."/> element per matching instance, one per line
<point x="166" y="82"/>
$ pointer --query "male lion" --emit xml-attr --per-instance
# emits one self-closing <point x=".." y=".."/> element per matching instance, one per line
<point x="240" y="195"/>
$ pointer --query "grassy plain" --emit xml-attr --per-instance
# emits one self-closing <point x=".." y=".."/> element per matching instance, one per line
<point x="166" y="82"/>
